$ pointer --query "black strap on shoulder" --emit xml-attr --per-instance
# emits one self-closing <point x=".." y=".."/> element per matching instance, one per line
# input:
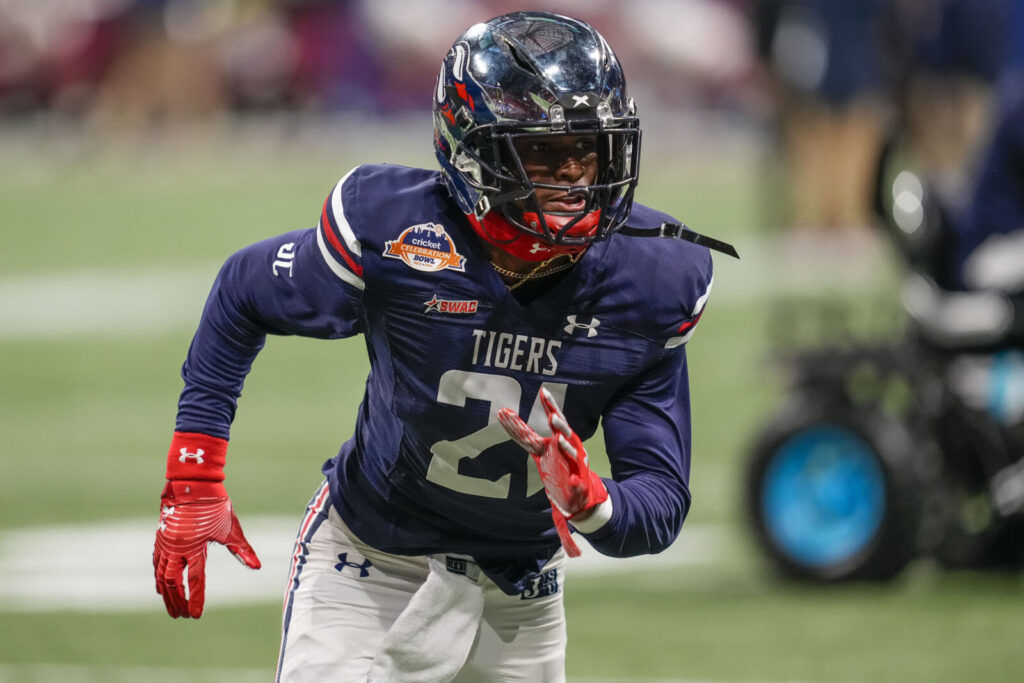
<point x="678" y="231"/>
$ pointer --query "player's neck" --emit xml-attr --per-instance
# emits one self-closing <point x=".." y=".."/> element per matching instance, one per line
<point x="506" y="261"/>
<point x="516" y="272"/>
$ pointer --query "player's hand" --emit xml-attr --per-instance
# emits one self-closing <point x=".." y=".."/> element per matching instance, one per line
<point x="571" y="486"/>
<point x="192" y="514"/>
<point x="561" y="459"/>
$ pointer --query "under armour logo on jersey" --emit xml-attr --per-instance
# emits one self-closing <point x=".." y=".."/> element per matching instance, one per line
<point x="591" y="328"/>
<point x="580" y="101"/>
<point x="537" y="248"/>
<point x="197" y="457"/>
<point x="364" y="568"/>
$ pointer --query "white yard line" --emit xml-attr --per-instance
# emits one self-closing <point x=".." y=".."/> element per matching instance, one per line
<point x="107" y="567"/>
<point x="104" y="673"/>
<point x="102" y="302"/>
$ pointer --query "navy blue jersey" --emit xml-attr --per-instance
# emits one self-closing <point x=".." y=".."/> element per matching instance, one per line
<point x="429" y="469"/>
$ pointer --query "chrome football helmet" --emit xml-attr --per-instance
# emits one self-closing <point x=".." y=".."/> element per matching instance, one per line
<point x="534" y="74"/>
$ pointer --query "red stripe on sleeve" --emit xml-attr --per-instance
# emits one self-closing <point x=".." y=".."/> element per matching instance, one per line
<point x="690" y="323"/>
<point x="336" y="243"/>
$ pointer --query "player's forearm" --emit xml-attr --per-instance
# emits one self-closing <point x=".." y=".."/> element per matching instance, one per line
<point x="648" y="516"/>
<point x="219" y="359"/>
<point x="206" y="410"/>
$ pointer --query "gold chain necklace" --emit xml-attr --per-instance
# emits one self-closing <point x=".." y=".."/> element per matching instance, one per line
<point x="537" y="271"/>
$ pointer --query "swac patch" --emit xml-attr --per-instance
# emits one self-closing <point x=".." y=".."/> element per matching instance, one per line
<point x="541" y="585"/>
<point x="425" y="247"/>
<point x="451" y="305"/>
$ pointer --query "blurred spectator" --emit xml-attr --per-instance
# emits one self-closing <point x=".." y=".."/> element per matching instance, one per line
<point x="990" y="249"/>
<point x="945" y="58"/>
<point x="138" y="62"/>
<point x="167" y="67"/>
<point x="822" y="61"/>
<point x="973" y="302"/>
<point x="337" y="65"/>
<point x="703" y="60"/>
<point x="1012" y="77"/>
<point x="260" y="59"/>
<point x="407" y="37"/>
<point x="53" y="53"/>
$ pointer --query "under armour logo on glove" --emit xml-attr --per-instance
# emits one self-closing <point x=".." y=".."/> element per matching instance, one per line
<point x="193" y="514"/>
<point x="364" y="568"/>
<point x="166" y="511"/>
<point x="197" y="457"/>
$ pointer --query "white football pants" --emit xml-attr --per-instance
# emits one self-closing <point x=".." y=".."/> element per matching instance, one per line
<point x="344" y="597"/>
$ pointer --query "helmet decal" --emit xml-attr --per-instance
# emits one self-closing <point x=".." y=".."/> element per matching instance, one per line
<point x="459" y="63"/>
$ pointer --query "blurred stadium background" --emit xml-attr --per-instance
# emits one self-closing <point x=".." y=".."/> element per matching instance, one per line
<point x="142" y="141"/>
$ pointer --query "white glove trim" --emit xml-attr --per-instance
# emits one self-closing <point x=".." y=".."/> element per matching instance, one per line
<point x="597" y="519"/>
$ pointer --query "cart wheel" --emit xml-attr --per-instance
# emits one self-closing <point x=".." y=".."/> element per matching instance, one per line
<point x="834" y="497"/>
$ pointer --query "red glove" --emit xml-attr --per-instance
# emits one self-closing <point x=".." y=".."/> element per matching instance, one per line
<point x="570" y="484"/>
<point x="194" y="512"/>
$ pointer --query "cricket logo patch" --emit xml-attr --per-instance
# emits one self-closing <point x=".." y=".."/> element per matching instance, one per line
<point x="455" y="306"/>
<point x="426" y="247"/>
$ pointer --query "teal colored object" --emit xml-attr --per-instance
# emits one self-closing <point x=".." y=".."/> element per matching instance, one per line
<point x="824" y="496"/>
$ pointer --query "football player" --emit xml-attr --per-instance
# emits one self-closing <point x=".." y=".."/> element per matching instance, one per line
<point x="509" y="302"/>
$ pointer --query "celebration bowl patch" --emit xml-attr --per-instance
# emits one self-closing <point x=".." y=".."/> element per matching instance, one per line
<point x="451" y="305"/>
<point x="425" y="247"/>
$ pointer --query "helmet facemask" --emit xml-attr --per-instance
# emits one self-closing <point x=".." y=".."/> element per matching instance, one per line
<point x="534" y="75"/>
<point x="492" y="164"/>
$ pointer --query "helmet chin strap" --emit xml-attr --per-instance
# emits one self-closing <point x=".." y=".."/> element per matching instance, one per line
<point x="495" y="229"/>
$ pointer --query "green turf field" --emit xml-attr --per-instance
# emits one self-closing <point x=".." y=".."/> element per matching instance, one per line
<point x="131" y="234"/>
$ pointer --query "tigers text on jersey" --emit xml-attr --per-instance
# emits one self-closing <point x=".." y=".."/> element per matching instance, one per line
<point x="429" y="469"/>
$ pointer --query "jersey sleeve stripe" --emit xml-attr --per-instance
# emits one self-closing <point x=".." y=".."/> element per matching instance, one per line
<point x="339" y="270"/>
<point x="690" y="326"/>
<point x="691" y="323"/>
<point x="332" y="238"/>
<point x="338" y="215"/>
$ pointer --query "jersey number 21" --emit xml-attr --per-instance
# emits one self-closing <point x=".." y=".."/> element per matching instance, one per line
<point x="500" y="392"/>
